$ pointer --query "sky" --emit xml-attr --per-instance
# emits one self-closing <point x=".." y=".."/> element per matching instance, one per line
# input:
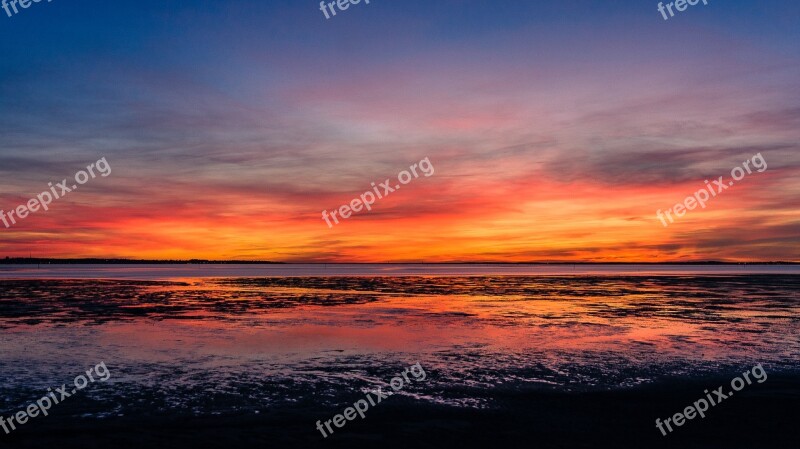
<point x="557" y="130"/>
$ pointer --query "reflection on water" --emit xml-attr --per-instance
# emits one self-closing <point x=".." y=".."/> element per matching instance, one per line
<point x="219" y="346"/>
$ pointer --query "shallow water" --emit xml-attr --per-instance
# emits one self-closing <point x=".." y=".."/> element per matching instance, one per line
<point x="191" y="271"/>
<point x="220" y="346"/>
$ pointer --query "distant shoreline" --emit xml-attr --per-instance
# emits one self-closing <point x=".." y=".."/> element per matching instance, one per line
<point x="94" y="261"/>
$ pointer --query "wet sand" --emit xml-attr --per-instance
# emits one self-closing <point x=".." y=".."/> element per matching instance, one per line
<point x="764" y="417"/>
<point x="556" y="361"/>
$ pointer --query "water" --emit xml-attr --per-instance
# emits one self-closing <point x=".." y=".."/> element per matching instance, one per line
<point x="241" y="346"/>
<point x="177" y="271"/>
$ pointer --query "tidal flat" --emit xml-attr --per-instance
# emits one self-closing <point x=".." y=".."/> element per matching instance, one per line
<point x="553" y="361"/>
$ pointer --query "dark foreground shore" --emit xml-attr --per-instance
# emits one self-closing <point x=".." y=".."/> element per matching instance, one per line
<point x="760" y="416"/>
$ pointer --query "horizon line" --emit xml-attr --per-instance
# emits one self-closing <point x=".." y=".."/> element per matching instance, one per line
<point x="103" y="260"/>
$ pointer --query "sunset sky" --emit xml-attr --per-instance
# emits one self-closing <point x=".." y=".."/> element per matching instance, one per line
<point x="556" y="129"/>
